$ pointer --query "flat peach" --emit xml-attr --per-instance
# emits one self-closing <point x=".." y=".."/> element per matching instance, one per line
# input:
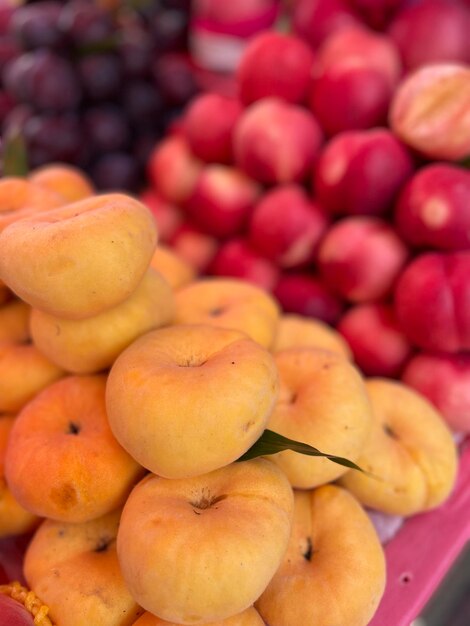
<point x="80" y="259"/>
<point x="229" y="303"/>
<point x="14" y="519"/>
<point x="62" y="460"/>
<point x="14" y="322"/>
<point x="74" y="569"/>
<point x="296" y="331"/>
<point x="333" y="572"/>
<point x="174" y="269"/>
<point x="93" y="344"/>
<point x="20" y="193"/>
<point x="202" y="549"/>
<point x="250" y="617"/>
<point x="410" y="452"/>
<point x="322" y="402"/>
<point x="24" y="371"/>
<point x="68" y="181"/>
<point x="185" y="400"/>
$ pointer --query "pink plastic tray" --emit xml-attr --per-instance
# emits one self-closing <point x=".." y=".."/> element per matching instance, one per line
<point x="423" y="551"/>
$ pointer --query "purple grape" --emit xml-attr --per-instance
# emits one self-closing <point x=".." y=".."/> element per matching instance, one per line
<point x="17" y="118"/>
<point x="86" y="24"/>
<point x="143" y="146"/>
<point x="142" y="103"/>
<point x="116" y="171"/>
<point x="136" y="52"/>
<point x="106" y="128"/>
<point x="36" y="25"/>
<point x="53" y="138"/>
<point x="9" y="50"/>
<point x="100" y="75"/>
<point x="174" y="78"/>
<point x="170" y="30"/>
<point x="43" y="79"/>
<point x="17" y="77"/>
<point x="6" y="13"/>
<point x="6" y="105"/>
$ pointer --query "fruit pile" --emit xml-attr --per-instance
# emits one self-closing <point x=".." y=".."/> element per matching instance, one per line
<point x="139" y="408"/>
<point x="92" y="85"/>
<point x="335" y="179"/>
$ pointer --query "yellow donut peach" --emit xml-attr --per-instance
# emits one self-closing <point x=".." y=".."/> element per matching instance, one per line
<point x="203" y="549"/>
<point x="14" y="322"/>
<point x="333" y="573"/>
<point x="80" y="259"/>
<point x="174" y="269"/>
<point x="74" y="569"/>
<point x="68" y="181"/>
<point x="14" y="519"/>
<point x="295" y="331"/>
<point x="90" y="345"/>
<point x="62" y="460"/>
<point x="410" y="452"/>
<point x="229" y="303"/>
<point x="250" y="617"/>
<point x="17" y="194"/>
<point x="24" y="371"/>
<point x="322" y="402"/>
<point x="185" y="400"/>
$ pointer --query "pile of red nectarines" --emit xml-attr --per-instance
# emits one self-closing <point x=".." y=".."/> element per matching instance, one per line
<point x="128" y="406"/>
<point x="334" y="179"/>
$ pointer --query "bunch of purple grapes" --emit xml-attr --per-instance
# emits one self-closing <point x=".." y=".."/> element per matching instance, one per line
<point x="94" y="83"/>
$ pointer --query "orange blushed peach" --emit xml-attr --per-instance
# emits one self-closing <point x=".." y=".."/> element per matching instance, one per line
<point x="62" y="460"/>
<point x="74" y="569"/>
<point x="14" y="519"/>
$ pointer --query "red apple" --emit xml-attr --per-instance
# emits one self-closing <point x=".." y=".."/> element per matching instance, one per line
<point x="314" y="20"/>
<point x="377" y="13"/>
<point x="305" y="294"/>
<point x="434" y="210"/>
<point x="168" y="216"/>
<point x="275" y="64"/>
<point x="222" y="200"/>
<point x="276" y="142"/>
<point x="356" y="46"/>
<point x="286" y="226"/>
<point x="379" y="346"/>
<point x="173" y="170"/>
<point x="208" y="126"/>
<point x="432" y="31"/>
<point x="432" y="301"/>
<point x="445" y="380"/>
<point x="237" y="258"/>
<point x="361" y="172"/>
<point x="348" y="97"/>
<point x="361" y="258"/>
<point x="13" y="613"/>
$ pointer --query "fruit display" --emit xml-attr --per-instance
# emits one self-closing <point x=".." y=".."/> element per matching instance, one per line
<point x="174" y="461"/>
<point x="94" y="84"/>
<point x="334" y="177"/>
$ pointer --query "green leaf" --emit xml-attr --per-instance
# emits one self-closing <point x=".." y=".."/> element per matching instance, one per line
<point x="271" y="443"/>
<point x="15" y="157"/>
